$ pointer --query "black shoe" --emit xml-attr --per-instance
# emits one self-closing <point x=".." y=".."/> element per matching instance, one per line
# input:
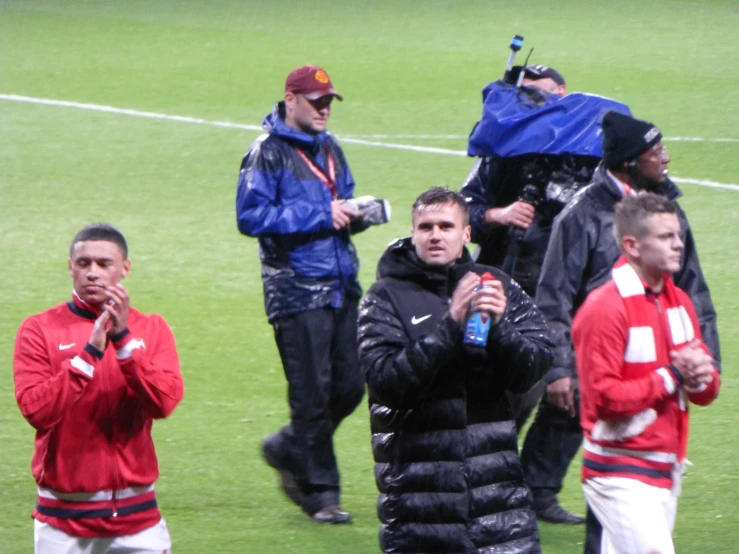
<point x="557" y="514"/>
<point x="289" y="484"/>
<point x="332" y="514"/>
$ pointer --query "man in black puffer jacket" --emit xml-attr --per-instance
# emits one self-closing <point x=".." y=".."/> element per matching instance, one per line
<point x="443" y="436"/>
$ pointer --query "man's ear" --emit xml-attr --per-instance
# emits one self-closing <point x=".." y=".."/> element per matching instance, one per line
<point x="467" y="234"/>
<point x="630" y="246"/>
<point x="126" y="268"/>
<point x="69" y="265"/>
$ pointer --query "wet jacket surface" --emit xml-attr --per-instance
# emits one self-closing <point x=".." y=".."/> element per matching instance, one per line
<point x="547" y="182"/>
<point x="306" y="263"/>
<point x="443" y="439"/>
<point x="582" y="251"/>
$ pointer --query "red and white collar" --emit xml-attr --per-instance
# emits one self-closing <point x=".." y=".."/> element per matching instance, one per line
<point x="82" y="305"/>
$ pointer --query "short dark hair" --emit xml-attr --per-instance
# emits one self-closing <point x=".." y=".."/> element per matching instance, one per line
<point x="633" y="210"/>
<point x="442" y="195"/>
<point x="101" y="231"/>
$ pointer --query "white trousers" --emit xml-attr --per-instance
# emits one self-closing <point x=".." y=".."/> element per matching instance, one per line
<point x="50" y="540"/>
<point x="637" y="518"/>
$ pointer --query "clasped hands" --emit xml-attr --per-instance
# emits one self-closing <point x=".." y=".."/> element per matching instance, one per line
<point x="469" y="296"/>
<point x="694" y="364"/>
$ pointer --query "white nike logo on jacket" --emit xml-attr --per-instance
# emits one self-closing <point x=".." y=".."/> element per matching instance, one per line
<point x="416" y="321"/>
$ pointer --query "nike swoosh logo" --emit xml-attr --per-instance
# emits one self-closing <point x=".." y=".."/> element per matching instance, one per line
<point x="66" y="346"/>
<point x="416" y="320"/>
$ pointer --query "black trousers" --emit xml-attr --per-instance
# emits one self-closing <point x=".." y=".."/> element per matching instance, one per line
<point x="551" y="443"/>
<point x="319" y="355"/>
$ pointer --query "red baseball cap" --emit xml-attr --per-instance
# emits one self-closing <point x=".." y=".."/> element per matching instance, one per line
<point x="311" y="81"/>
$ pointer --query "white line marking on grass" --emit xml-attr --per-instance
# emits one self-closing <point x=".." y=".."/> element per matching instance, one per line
<point x="699" y="139"/>
<point x="122" y="111"/>
<point x="412" y="137"/>
<point x="391" y="145"/>
<point x="704" y="183"/>
<point x="347" y="139"/>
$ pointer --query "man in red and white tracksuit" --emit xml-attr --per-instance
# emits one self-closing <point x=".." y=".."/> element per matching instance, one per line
<point x="640" y="361"/>
<point x="91" y="375"/>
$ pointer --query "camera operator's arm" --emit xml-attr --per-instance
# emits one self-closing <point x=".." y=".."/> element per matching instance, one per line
<point x="519" y="214"/>
<point x="480" y="189"/>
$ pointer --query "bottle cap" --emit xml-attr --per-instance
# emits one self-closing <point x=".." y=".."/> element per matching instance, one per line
<point x="487" y="276"/>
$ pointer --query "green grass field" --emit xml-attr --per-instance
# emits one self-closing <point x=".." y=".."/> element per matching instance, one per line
<point x="410" y="70"/>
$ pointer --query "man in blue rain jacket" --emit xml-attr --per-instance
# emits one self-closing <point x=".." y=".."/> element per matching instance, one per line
<point x="291" y="192"/>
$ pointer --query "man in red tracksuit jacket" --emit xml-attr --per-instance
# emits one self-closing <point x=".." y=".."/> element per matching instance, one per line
<point x="640" y="361"/>
<point x="90" y="376"/>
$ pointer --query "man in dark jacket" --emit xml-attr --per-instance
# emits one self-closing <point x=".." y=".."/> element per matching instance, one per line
<point x="291" y="194"/>
<point x="514" y="200"/>
<point x="443" y="436"/>
<point x="581" y="253"/>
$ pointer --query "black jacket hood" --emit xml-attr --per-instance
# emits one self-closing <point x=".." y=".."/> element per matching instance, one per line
<point x="401" y="262"/>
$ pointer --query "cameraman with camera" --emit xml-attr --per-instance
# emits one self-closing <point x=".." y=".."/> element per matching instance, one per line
<point x="513" y="202"/>
<point x="537" y="146"/>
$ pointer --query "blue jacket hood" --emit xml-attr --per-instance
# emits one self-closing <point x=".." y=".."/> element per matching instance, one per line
<point x="274" y="123"/>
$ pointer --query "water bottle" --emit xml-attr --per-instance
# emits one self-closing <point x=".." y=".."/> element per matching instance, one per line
<point x="478" y="325"/>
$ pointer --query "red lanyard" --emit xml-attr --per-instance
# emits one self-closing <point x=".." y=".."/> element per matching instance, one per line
<point x="328" y="180"/>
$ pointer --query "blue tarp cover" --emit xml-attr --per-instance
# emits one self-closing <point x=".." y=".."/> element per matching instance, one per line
<point x="512" y="124"/>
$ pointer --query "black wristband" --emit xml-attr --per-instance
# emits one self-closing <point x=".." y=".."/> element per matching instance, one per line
<point x="120" y="336"/>
<point x="676" y="374"/>
<point x="94" y="352"/>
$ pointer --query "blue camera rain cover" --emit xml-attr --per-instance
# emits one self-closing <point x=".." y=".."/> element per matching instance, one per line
<point x="513" y="124"/>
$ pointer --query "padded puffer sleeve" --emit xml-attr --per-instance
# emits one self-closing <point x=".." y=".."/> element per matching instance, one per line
<point x="395" y="368"/>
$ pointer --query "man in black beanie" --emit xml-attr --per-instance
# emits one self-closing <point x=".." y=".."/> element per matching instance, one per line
<point x="633" y="151"/>
<point x="581" y="252"/>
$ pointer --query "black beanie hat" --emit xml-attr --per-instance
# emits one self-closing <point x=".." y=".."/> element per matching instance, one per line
<point x="625" y="137"/>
